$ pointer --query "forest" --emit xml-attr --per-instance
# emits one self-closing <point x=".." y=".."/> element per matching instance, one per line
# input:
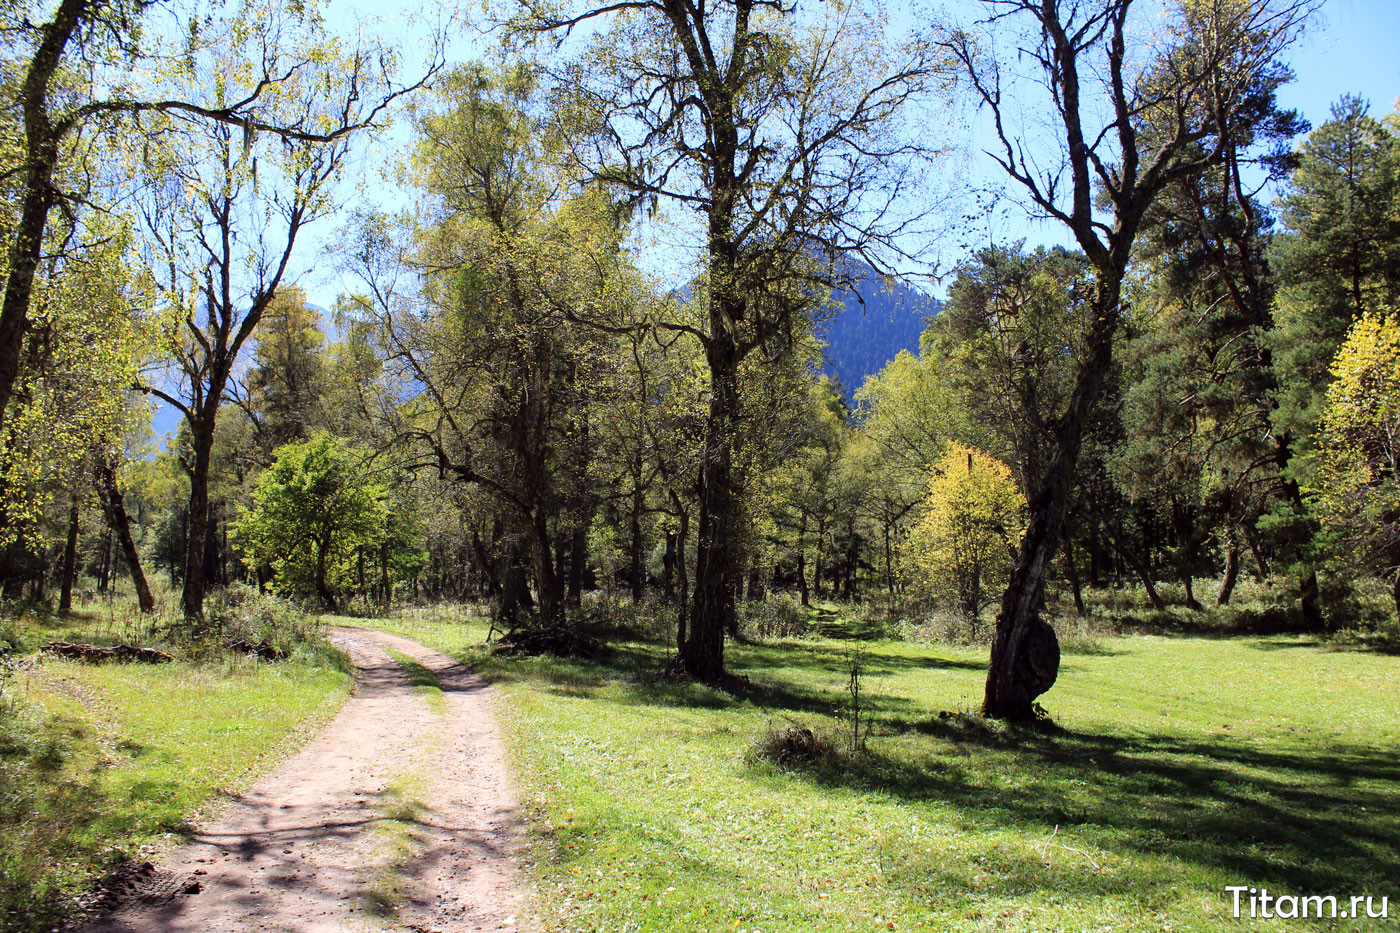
<point x="575" y="358"/>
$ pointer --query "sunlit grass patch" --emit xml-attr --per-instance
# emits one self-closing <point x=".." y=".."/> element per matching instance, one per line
<point x="1181" y="766"/>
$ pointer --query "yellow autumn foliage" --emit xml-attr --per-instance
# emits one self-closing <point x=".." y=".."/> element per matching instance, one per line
<point x="960" y="550"/>
<point x="1356" y="486"/>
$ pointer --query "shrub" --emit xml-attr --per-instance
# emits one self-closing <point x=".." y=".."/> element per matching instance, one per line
<point x="239" y="612"/>
<point x="793" y="746"/>
<point x="779" y="616"/>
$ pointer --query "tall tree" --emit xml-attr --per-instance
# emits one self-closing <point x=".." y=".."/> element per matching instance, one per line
<point x="1123" y="132"/>
<point x="1338" y="256"/>
<point x="77" y="79"/>
<point x="779" y="131"/>
<point x="477" y="316"/>
<point x="226" y="207"/>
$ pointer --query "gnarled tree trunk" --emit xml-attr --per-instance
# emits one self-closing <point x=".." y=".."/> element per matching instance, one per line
<point x="114" y="506"/>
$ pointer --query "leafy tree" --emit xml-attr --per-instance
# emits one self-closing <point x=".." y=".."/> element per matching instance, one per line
<point x="1118" y="146"/>
<point x="223" y="212"/>
<point x="284" y="393"/>
<point x="1012" y="337"/>
<point x="962" y="546"/>
<point x="1202" y="386"/>
<point x="1357" y="484"/>
<point x="1338" y="256"/>
<point x="313" y="510"/>
<point x="780" y="132"/>
<point x="487" y="371"/>
<point x="89" y="70"/>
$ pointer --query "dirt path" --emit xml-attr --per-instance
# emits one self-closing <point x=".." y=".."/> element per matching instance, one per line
<point x="398" y="816"/>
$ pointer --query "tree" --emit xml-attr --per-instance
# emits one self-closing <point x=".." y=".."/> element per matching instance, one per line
<point x="1357" y="484"/>
<point x="1203" y="386"/>
<point x="76" y="86"/>
<point x="313" y="510"/>
<point x="284" y="393"/>
<point x="780" y="133"/>
<point x="961" y="547"/>
<point x="1338" y="256"/>
<point x="488" y="370"/>
<point x="226" y="207"/>
<point x="1169" y="118"/>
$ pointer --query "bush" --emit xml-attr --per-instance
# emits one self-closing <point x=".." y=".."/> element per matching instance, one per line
<point x="947" y="628"/>
<point x="781" y="615"/>
<point x="238" y="612"/>
<point x="794" y="746"/>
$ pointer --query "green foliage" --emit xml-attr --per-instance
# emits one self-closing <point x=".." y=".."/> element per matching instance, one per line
<point x="313" y="509"/>
<point x="1339" y="256"/>
<point x="961" y="548"/>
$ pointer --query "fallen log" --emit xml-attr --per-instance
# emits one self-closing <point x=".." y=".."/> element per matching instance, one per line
<point x="98" y="653"/>
<point x="264" y="649"/>
<point x="560" y="641"/>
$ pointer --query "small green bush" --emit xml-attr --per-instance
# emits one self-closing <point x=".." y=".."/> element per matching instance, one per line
<point x="781" y="615"/>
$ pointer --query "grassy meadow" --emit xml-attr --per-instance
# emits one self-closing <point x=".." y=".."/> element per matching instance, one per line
<point x="1179" y="766"/>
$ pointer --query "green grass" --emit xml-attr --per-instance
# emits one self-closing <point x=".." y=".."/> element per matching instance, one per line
<point x="1183" y="765"/>
<point x="100" y="763"/>
<point x="423" y="680"/>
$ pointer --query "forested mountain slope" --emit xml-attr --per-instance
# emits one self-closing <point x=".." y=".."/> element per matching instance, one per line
<point x="862" y="338"/>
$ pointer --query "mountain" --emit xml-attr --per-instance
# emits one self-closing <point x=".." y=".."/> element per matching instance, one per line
<point x="861" y="339"/>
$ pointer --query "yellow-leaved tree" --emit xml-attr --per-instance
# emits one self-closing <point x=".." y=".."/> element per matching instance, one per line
<point x="1356" y="489"/>
<point x="961" y="549"/>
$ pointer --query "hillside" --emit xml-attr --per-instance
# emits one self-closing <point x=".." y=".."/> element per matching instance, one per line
<point x="862" y="338"/>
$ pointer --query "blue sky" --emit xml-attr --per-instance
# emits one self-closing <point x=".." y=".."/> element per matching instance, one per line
<point x="1352" y="51"/>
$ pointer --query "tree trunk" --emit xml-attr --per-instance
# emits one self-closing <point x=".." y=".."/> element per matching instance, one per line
<point x="683" y="578"/>
<point x="637" y="573"/>
<point x="69" y="568"/>
<point x="1232" y="567"/>
<point x="386" y="589"/>
<point x="889" y="566"/>
<point x="712" y="607"/>
<point x="114" y="506"/>
<point x="197" y="520"/>
<point x="668" y="569"/>
<point x="546" y="579"/>
<point x="802" y="563"/>
<point x="1025" y="655"/>
<point x="105" y="569"/>
<point x="578" y="564"/>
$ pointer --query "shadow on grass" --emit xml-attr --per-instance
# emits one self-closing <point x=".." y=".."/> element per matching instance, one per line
<point x="765" y="677"/>
<point x="1299" y="817"/>
<point x="1305" y="820"/>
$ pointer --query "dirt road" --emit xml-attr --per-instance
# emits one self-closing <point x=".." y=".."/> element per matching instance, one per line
<point x="398" y="816"/>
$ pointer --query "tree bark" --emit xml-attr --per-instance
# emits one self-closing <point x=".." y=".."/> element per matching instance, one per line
<point x="712" y="608"/>
<point x="1232" y="567"/>
<point x="1025" y="656"/>
<point x="668" y="568"/>
<point x="69" y="568"/>
<point x="114" y="506"/>
<point x="41" y="141"/>
<point x="197" y="518"/>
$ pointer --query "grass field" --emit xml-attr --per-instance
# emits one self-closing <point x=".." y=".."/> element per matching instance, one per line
<point x="1181" y="766"/>
<point x="101" y="763"/>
